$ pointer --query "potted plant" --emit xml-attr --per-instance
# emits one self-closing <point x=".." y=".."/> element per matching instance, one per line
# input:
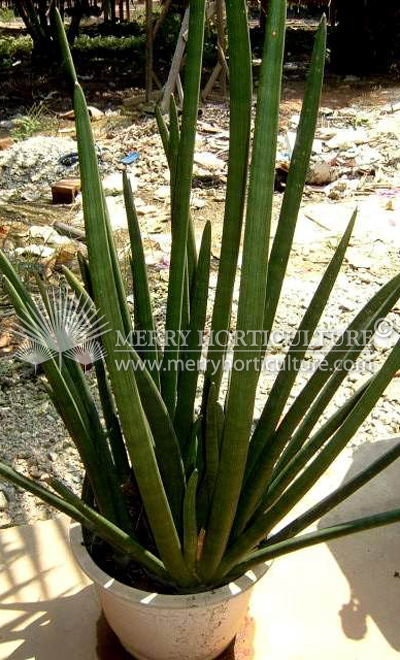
<point x="182" y="497"/>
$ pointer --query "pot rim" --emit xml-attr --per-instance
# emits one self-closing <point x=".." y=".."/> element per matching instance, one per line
<point x="154" y="599"/>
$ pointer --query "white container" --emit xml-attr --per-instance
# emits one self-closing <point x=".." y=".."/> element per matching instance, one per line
<point x="154" y="626"/>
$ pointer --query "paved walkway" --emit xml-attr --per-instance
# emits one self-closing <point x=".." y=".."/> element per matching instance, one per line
<point x="336" y="601"/>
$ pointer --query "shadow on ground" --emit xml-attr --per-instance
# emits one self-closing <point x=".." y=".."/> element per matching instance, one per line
<point x="50" y="612"/>
<point x="370" y="560"/>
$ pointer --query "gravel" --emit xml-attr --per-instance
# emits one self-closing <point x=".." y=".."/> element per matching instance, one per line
<point x="29" y="167"/>
<point x="34" y="440"/>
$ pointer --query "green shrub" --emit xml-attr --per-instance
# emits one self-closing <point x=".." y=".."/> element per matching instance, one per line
<point x="7" y="15"/>
<point x="12" y="48"/>
<point x="110" y="45"/>
<point x="213" y="483"/>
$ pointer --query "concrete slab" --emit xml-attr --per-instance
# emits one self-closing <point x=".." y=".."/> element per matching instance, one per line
<point x="340" y="600"/>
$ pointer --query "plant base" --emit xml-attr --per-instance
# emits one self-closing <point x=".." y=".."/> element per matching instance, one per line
<point x="154" y="626"/>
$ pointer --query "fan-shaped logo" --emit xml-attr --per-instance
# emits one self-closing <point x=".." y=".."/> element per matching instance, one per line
<point x="60" y="325"/>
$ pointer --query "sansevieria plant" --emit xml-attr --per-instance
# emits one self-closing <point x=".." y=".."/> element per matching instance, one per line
<point x="210" y="483"/>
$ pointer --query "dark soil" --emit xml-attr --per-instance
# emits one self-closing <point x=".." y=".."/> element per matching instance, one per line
<point x="116" y="564"/>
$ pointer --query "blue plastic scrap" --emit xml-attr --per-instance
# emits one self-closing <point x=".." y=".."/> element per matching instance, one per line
<point x="130" y="158"/>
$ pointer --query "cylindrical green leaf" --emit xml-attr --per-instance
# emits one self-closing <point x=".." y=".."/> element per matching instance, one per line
<point x="250" y="316"/>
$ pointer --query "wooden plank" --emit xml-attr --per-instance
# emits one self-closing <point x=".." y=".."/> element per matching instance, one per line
<point x="157" y="82"/>
<point x="179" y="89"/>
<point x="211" y="81"/>
<point x="223" y="62"/>
<point x="149" y="49"/>
<point x="71" y="232"/>
<point x="221" y="44"/>
<point x="176" y="63"/>
<point x="164" y="12"/>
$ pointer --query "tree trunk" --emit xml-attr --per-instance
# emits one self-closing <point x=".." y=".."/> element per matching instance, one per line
<point x="40" y="25"/>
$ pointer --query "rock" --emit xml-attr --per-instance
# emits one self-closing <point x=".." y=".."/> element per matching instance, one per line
<point x="347" y="112"/>
<point x="3" y="501"/>
<point x="347" y="138"/>
<point x="292" y="319"/>
<point x="347" y="305"/>
<point x="326" y="112"/>
<point x="209" y="161"/>
<point x="320" y="174"/>
<point x="317" y="147"/>
<point x="35" y="157"/>
<point x="358" y="259"/>
<point x="385" y="338"/>
<point x="317" y="342"/>
<point x="146" y="209"/>
<point x="325" y="133"/>
<point x="392" y="108"/>
<point x="116" y="209"/>
<point x="209" y="128"/>
<point x="24" y="454"/>
<point x="379" y="250"/>
<point x="366" y="278"/>
<point x="95" y="113"/>
<point x="393" y="390"/>
<point x="46" y="234"/>
<point x="43" y="251"/>
<point x="52" y="456"/>
<point x="276" y="340"/>
<point x="54" y="250"/>
<point x="112" y="183"/>
<point x="50" y="237"/>
<point x="35" y="472"/>
<point x="197" y="203"/>
<point x="291" y="141"/>
<point x="163" y="192"/>
<point x="9" y="492"/>
<point x="366" y="156"/>
<point x="353" y="376"/>
<point x="153" y="224"/>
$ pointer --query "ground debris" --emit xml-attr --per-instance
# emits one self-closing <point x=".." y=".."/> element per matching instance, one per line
<point x="355" y="154"/>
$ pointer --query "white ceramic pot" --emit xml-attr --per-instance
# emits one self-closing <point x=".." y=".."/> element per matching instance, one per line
<point x="154" y="626"/>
